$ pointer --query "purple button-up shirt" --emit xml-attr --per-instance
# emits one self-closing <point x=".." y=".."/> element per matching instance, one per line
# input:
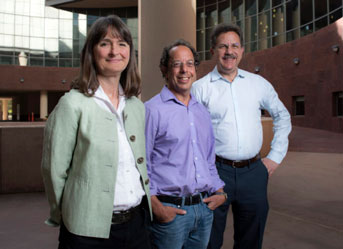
<point x="180" y="147"/>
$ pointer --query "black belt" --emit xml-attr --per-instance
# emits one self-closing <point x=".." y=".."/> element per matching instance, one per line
<point x="238" y="163"/>
<point x="189" y="200"/>
<point x="119" y="217"/>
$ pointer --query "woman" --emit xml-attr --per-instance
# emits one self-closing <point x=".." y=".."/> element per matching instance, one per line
<point x="93" y="162"/>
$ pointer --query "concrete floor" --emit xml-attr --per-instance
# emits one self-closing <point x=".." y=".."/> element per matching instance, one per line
<point x="305" y="195"/>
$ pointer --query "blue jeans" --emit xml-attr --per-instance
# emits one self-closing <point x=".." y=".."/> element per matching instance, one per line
<point x="189" y="231"/>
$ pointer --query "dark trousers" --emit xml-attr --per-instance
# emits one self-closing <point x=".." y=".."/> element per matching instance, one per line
<point x="130" y="235"/>
<point x="247" y="194"/>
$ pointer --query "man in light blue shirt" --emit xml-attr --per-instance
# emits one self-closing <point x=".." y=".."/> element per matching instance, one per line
<point x="235" y="98"/>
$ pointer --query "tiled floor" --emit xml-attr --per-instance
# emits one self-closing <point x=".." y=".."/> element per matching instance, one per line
<point x="305" y="195"/>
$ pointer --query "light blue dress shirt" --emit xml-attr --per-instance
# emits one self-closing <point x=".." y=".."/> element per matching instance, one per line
<point x="235" y="109"/>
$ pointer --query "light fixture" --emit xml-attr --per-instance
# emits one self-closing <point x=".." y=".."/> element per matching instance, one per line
<point x="64" y="81"/>
<point x="257" y="69"/>
<point x="335" y="48"/>
<point x="296" y="61"/>
<point x="21" y="80"/>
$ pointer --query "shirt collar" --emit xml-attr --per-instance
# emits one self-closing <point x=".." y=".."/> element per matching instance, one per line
<point x="167" y="95"/>
<point x="100" y="94"/>
<point x="215" y="75"/>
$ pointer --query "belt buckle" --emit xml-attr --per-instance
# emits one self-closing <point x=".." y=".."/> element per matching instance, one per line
<point x="236" y="161"/>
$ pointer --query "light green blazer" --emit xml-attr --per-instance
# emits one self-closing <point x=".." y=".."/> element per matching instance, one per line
<point x="79" y="163"/>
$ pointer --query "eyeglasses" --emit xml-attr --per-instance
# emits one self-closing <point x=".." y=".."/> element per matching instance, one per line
<point x="179" y="64"/>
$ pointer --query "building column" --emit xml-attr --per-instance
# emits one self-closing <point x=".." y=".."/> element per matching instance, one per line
<point x="159" y="24"/>
<point x="43" y="104"/>
<point x="5" y="109"/>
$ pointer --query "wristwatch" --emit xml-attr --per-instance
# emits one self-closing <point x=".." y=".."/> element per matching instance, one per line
<point x="221" y="193"/>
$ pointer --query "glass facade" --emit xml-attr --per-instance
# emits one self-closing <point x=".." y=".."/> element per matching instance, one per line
<point x="47" y="36"/>
<point x="264" y="23"/>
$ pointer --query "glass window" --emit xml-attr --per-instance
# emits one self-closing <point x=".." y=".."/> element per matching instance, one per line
<point x="22" y="25"/>
<point x="201" y="56"/>
<point x="106" y="12"/>
<point x="36" y="27"/>
<point x="22" y="7"/>
<point x="263" y="5"/>
<point x="76" y="63"/>
<point x="278" y="25"/>
<point x="6" y="41"/>
<point x="7" y="6"/>
<point x="208" y="38"/>
<point x="335" y="15"/>
<point x="65" y="62"/>
<point x="250" y="29"/>
<point x="320" y="7"/>
<point x="36" y="46"/>
<point x="7" y="24"/>
<point x="277" y="2"/>
<point x="264" y="30"/>
<point x="121" y="12"/>
<point x="90" y="20"/>
<point x="298" y="105"/>
<point x="37" y="8"/>
<point x="36" y="61"/>
<point x="292" y="35"/>
<point x="132" y="12"/>
<point x="307" y="29"/>
<point x="66" y="28"/>
<point x="65" y="48"/>
<point x="51" y="28"/>
<point x="22" y="42"/>
<point x="76" y="49"/>
<point x="224" y="12"/>
<point x="250" y="7"/>
<point x="200" y="3"/>
<point x="6" y="60"/>
<point x="292" y="14"/>
<point x="334" y="4"/>
<point x="211" y="16"/>
<point x="65" y="14"/>
<point x="338" y="104"/>
<point x="200" y="18"/>
<point x="208" y="55"/>
<point x="51" y="12"/>
<point x="51" y="62"/>
<point x="237" y="10"/>
<point x="51" y="48"/>
<point x="306" y="14"/>
<point x="321" y="23"/>
<point x="201" y="40"/>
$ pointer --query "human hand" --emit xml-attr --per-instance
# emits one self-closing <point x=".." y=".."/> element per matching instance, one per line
<point x="163" y="213"/>
<point x="167" y="214"/>
<point x="270" y="165"/>
<point x="214" y="201"/>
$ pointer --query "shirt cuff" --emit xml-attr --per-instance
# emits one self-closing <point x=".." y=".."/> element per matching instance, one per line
<point x="275" y="156"/>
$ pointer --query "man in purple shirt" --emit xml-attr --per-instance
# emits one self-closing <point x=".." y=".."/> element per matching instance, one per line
<point x="184" y="184"/>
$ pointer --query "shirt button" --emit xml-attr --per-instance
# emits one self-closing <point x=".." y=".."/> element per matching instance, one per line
<point x="132" y="138"/>
<point x="191" y="123"/>
<point x="193" y="140"/>
<point x="198" y="175"/>
<point x="195" y="158"/>
<point x="140" y="160"/>
<point x="131" y="191"/>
